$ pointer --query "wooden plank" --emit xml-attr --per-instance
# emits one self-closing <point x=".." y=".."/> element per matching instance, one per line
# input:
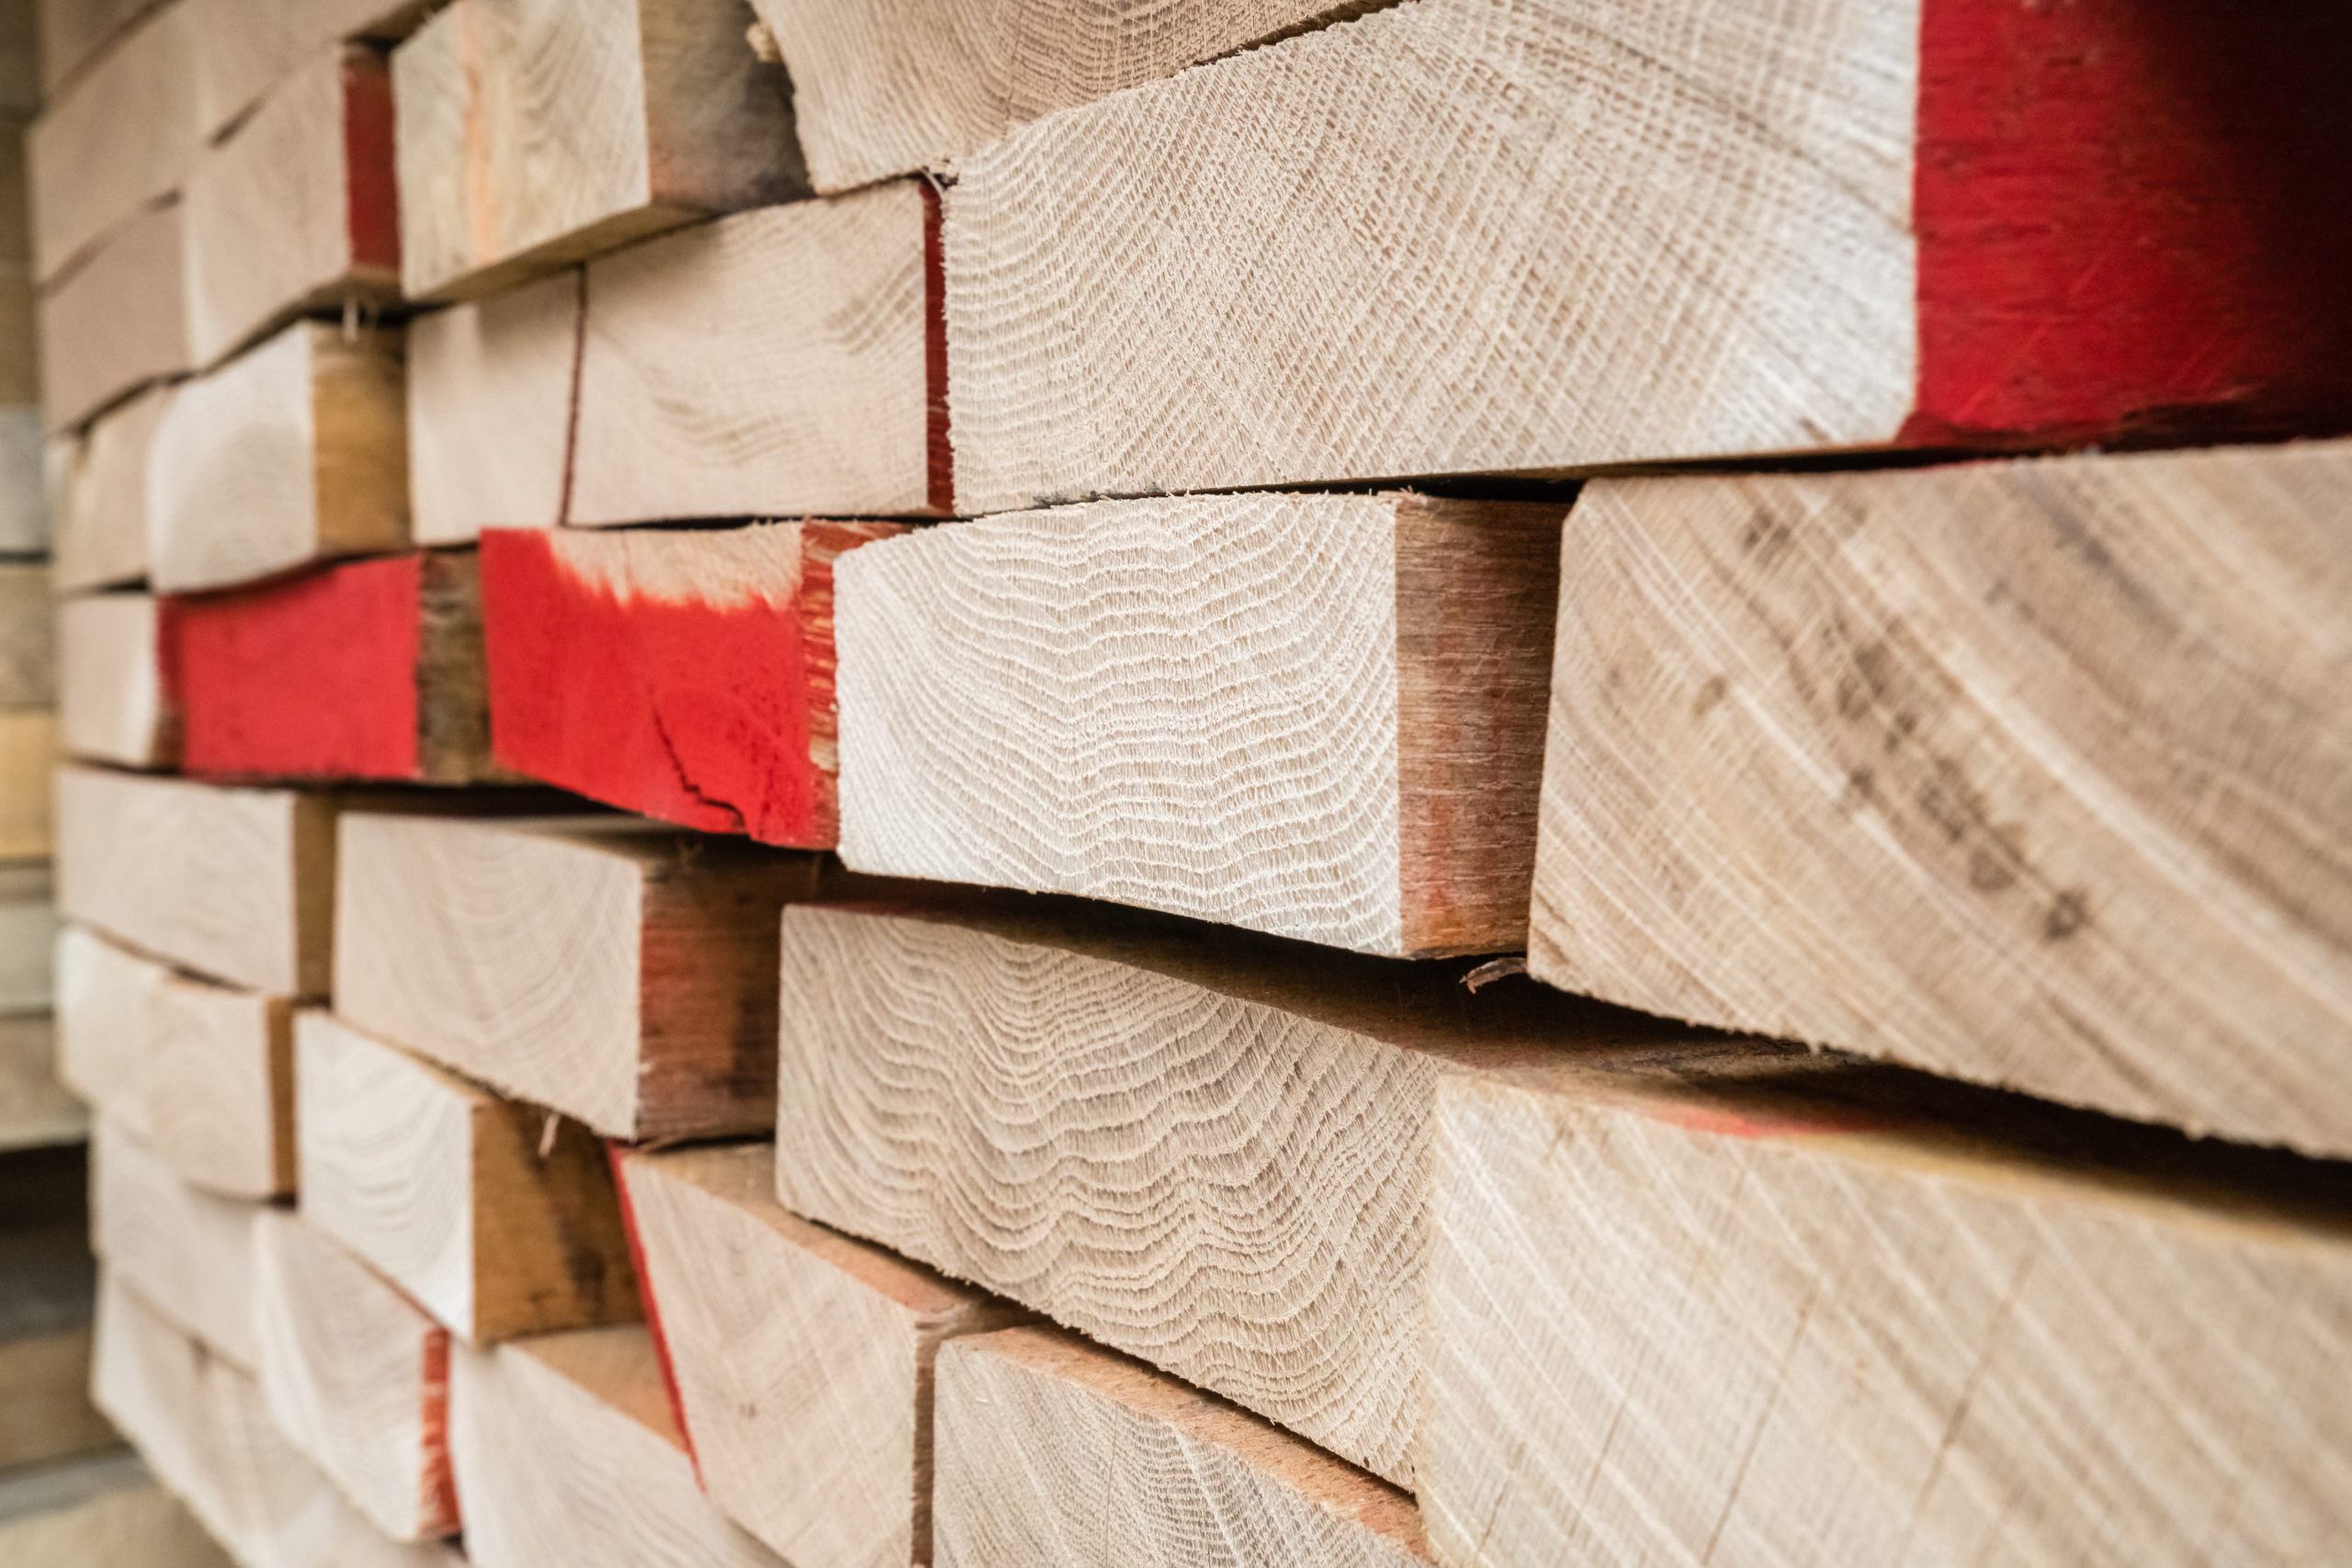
<point x="1315" y="715"/>
<point x="36" y="1110"/>
<point x="237" y="883"/>
<point x="100" y="530"/>
<point x="296" y="210"/>
<point x="357" y="1377"/>
<point x="1232" y="1188"/>
<point x="102" y="1509"/>
<point x="72" y="32"/>
<point x="295" y="452"/>
<point x="147" y="1376"/>
<point x="28" y="637"/>
<point x="117" y="321"/>
<point x="1056" y="1453"/>
<point x="620" y="972"/>
<point x="821" y="312"/>
<point x="243" y="49"/>
<point x="885" y="88"/>
<point x="218" y="1075"/>
<point x="490" y="401"/>
<point x="366" y="669"/>
<point x="94" y="165"/>
<point x="27" y="752"/>
<point x="566" y="1453"/>
<point x="113" y="703"/>
<point x="688" y="675"/>
<point x="105" y="1025"/>
<point x="444" y="1188"/>
<point x="1490" y="235"/>
<point x="801" y="1359"/>
<point x="2043" y="793"/>
<point x="189" y="1252"/>
<point x="1838" y="1326"/>
<point x="533" y="134"/>
<point x="27" y="938"/>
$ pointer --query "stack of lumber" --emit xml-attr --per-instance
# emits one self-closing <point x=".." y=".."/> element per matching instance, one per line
<point x="864" y="783"/>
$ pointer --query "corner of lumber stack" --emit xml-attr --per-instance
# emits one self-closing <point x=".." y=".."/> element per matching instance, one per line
<point x="2029" y="773"/>
<point x="1318" y="715"/>
<point x="114" y="702"/>
<point x="98" y="531"/>
<point x="1513" y="235"/>
<point x="119" y="319"/>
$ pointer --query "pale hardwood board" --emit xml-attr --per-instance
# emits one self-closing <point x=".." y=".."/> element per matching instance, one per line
<point x="1315" y="715"/>
<point x="27" y="939"/>
<point x="296" y="451"/>
<point x="884" y="87"/>
<point x="237" y="884"/>
<point x="441" y="1186"/>
<point x="105" y="1024"/>
<point x="100" y="527"/>
<point x="802" y="1359"/>
<point x="218" y="1068"/>
<point x="28" y="637"/>
<point x="93" y="164"/>
<point x="271" y="209"/>
<point x="121" y="1517"/>
<point x="489" y="402"/>
<point x="117" y="321"/>
<point x="72" y="32"/>
<point x="189" y="1252"/>
<point x="567" y="1458"/>
<point x="112" y="706"/>
<point x="1453" y="236"/>
<point x="2032" y="773"/>
<point x="538" y="132"/>
<point x="1057" y="1454"/>
<point x="37" y="1110"/>
<point x="146" y="1376"/>
<point x="1763" y="1330"/>
<point x="28" y="754"/>
<point x="245" y="48"/>
<point x="357" y="1376"/>
<point x="619" y="971"/>
<point x="766" y="364"/>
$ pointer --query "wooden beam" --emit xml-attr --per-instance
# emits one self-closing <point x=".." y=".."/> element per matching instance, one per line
<point x="117" y="321"/>
<point x="885" y="88"/>
<point x="189" y="1253"/>
<point x="28" y="753"/>
<point x="822" y="311"/>
<point x="219" y="1082"/>
<point x="365" y="670"/>
<point x="245" y="49"/>
<point x="105" y="1023"/>
<point x="1233" y="1189"/>
<point x="72" y="32"/>
<point x="1790" y="240"/>
<point x="99" y="535"/>
<point x="1056" y="1453"/>
<point x="688" y="675"/>
<point x="102" y="1509"/>
<point x="357" y="1377"/>
<point x="93" y="164"/>
<point x="293" y="452"/>
<point x="534" y="135"/>
<point x="147" y="1377"/>
<point x="114" y="705"/>
<point x="498" y="1218"/>
<point x="566" y="1452"/>
<point x="296" y="210"/>
<point x="237" y="883"/>
<point x="1976" y="816"/>
<point x="1861" y="1325"/>
<point x="620" y="972"/>
<point x="801" y="1359"/>
<point x="1315" y="715"/>
<point x="489" y="403"/>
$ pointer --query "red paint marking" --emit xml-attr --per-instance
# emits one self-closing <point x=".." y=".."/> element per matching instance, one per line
<point x="370" y="187"/>
<point x="2133" y="221"/>
<point x="312" y="677"/>
<point x="615" y="1151"/>
<point x="940" y="489"/>
<point x="440" y="1479"/>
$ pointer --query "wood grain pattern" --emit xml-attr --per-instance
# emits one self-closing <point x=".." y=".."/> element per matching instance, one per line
<point x="357" y="1377"/>
<point x="117" y="321"/>
<point x="1201" y="1147"/>
<point x="94" y="165"/>
<point x="1054" y="1452"/>
<point x="2032" y="773"/>
<point x="489" y="402"/>
<point x="99" y="534"/>
<point x="1684" y="237"/>
<point x="104" y="1023"/>
<point x="28" y="755"/>
<point x="617" y="971"/>
<point x="295" y="211"/>
<point x="217" y="1070"/>
<point x="443" y="1186"/>
<point x="189" y="1252"/>
<point x="688" y="675"/>
<point x="245" y="48"/>
<point x="537" y="132"/>
<point x="802" y="1359"/>
<point x="294" y="452"/>
<point x="1315" y="715"/>
<point x="237" y="883"/>
<point x="1776" y="1329"/>
<point x="567" y="1458"/>
<point x="818" y="311"/>
<point x="885" y="88"/>
<point x="114" y="705"/>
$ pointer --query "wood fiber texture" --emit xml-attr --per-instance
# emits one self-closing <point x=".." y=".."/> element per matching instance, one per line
<point x="489" y="407"/>
<point x="190" y="1252"/>
<point x="114" y="705"/>
<point x="119" y="322"/>
<point x="218" y="1080"/>
<point x="99" y="534"/>
<point x="2027" y="773"/>
<point x="96" y="165"/>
